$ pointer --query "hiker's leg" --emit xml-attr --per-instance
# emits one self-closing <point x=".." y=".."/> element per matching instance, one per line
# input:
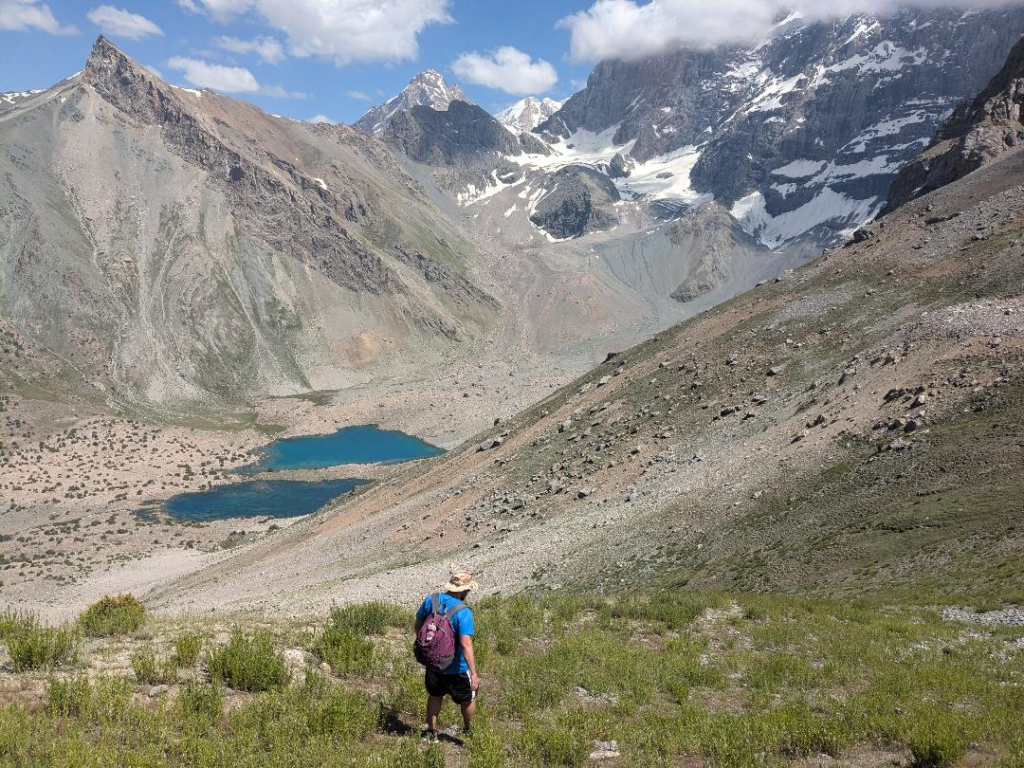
<point x="468" y="710"/>
<point x="433" y="710"/>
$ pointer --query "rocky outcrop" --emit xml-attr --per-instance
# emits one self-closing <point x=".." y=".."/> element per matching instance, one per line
<point x="578" y="200"/>
<point x="457" y="136"/>
<point x="979" y="131"/>
<point x="466" y="144"/>
<point x="712" y="235"/>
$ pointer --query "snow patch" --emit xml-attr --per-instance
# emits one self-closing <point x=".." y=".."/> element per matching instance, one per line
<point x="827" y="207"/>
<point x="474" y="195"/>
<point x="799" y="169"/>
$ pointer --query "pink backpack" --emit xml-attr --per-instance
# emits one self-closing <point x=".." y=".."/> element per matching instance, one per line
<point x="435" y="642"/>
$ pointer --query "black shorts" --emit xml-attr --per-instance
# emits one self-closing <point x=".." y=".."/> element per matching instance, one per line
<point x="459" y="687"/>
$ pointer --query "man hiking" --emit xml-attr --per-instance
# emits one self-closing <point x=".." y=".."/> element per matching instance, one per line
<point x="444" y="645"/>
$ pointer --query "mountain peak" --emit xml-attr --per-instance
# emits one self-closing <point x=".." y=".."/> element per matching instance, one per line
<point x="428" y="89"/>
<point x="526" y="114"/>
<point x="106" y="60"/>
<point x="123" y="82"/>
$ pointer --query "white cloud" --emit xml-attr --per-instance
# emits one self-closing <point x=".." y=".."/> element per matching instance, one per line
<point x="339" y="30"/>
<point x="507" y="69"/>
<point x="202" y="74"/>
<point x="629" y="30"/>
<point x="321" y="119"/>
<point x="359" y="95"/>
<point x="268" y="49"/>
<point x="21" y="15"/>
<point x="121" y="23"/>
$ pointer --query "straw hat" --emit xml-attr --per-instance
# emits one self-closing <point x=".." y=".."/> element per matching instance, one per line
<point x="460" y="581"/>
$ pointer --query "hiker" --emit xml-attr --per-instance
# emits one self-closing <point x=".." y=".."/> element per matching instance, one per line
<point x="444" y="645"/>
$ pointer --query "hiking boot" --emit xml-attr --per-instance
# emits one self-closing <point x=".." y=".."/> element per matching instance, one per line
<point x="429" y="735"/>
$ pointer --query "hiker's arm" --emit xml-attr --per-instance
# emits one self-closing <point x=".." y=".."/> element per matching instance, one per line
<point x="419" y="623"/>
<point x="466" y="642"/>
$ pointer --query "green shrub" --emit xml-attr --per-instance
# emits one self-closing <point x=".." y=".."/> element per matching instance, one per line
<point x="13" y="621"/>
<point x="937" y="741"/>
<point x="343" y="714"/>
<point x="150" y="670"/>
<point x="111" y="698"/>
<point x="553" y="745"/>
<point x="205" y="701"/>
<point x="249" y="663"/>
<point x="187" y="648"/>
<point x="486" y="749"/>
<point x="370" y="618"/>
<point x="346" y="651"/>
<point x="69" y="698"/>
<point x="35" y="647"/>
<point x="113" y="615"/>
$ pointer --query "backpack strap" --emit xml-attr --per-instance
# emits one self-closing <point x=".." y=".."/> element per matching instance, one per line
<point x="435" y="603"/>
<point x="451" y="610"/>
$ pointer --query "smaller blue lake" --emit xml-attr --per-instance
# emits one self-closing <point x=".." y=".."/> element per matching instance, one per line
<point x="350" y="445"/>
<point x="257" y="498"/>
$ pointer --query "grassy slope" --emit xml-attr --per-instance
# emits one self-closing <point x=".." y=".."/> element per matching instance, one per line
<point x="678" y="679"/>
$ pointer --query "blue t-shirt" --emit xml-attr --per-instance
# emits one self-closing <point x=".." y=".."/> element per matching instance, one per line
<point x="462" y="624"/>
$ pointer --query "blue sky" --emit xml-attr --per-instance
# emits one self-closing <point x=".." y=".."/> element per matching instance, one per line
<point x="270" y="57"/>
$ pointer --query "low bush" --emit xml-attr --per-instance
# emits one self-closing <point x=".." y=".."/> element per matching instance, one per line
<point x="249" y="663"/>
<point x="370" y="618"/>
<point x="113" y="615"/>
<point x="69" y="698"/>
<point x="187" y="648"/>
<point x="938" y="740"/>
<point x="204" y="701"/>
<point x="343" y="714"/>
<point x="12" y="621"/>
<point x="151" y="670"/>
<point x="35" y="647"/>
<point x="346" y="651"/>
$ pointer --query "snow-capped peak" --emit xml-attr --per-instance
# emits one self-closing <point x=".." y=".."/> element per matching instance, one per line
<point x="526" y="114"/>
<point x="428" y="88"/>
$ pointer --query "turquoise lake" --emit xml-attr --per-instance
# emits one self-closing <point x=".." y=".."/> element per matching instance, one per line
<point x="258" y="498"/>
<point x="294" y="498"/>
<point x="350" y="445"/>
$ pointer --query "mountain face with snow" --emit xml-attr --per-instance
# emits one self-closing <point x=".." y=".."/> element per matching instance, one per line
<point x="799" y="136"/>
<point x="427" y="89"/>
<point x="526" y="114"/>
<point x="978" y="132"/>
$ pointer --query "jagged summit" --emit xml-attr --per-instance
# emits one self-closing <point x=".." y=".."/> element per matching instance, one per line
<point x="526" y="114"/>
<point x="427" y="89"/>
<point x="979" y="130"/>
